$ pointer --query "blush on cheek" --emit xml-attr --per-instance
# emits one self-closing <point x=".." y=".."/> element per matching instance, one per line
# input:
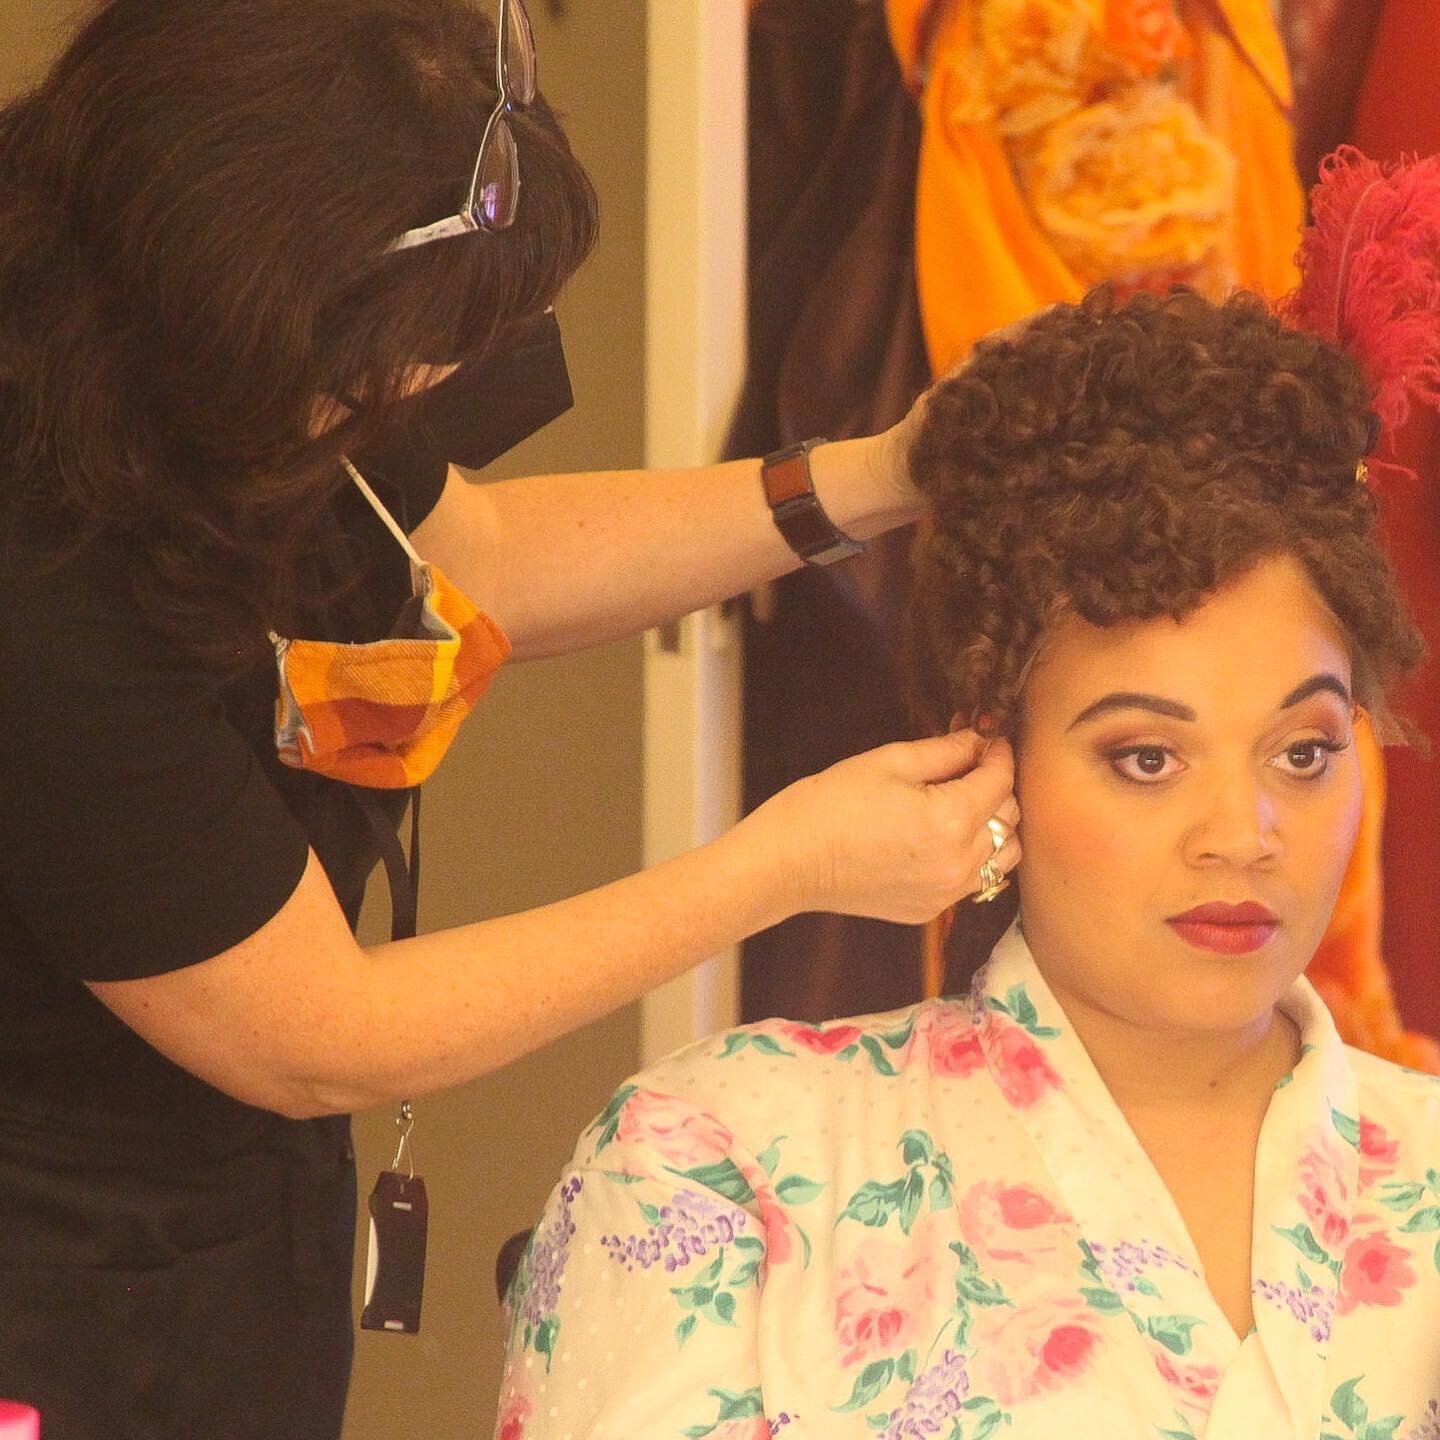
<point x="1070" y="835"/>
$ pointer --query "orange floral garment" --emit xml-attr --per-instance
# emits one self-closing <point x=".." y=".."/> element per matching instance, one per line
<point x="990" y="236"/>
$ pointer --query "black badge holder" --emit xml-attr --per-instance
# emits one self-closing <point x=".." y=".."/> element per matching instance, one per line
<point x="395" y="1268"/>
<point x="399" y="1209"/>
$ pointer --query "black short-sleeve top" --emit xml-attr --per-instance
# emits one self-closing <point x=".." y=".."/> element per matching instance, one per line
<point x="146" y="824"/>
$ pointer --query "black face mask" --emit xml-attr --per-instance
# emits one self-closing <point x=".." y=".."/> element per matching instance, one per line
<point x="489" y="405"/>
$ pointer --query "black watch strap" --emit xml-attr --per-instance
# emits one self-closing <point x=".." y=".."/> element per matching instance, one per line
<point x="799" y="516"/>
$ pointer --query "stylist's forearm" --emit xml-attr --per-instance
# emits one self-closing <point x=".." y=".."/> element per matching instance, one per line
<point x="448" y="1006"/>
<point x="582" y="559"/>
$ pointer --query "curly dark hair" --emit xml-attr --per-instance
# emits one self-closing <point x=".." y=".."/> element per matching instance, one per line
<point x="195" y="208"/>
<point x="1122" y="461"/>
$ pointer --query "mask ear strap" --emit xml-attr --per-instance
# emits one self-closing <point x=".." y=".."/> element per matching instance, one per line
<point x="382" y="512"/>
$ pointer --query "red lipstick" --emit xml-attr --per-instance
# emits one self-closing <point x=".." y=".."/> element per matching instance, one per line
<point x="1227" y="929"/>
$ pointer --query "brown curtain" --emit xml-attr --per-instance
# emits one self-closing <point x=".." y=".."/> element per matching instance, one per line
<point x="835" y="350"/>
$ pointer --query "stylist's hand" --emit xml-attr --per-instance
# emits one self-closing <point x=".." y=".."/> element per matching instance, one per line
<point x="892" y="446"/>
<point x="898" y="833"/>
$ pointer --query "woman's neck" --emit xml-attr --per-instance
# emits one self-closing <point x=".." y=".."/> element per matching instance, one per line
<point x="1169" y="1074"/>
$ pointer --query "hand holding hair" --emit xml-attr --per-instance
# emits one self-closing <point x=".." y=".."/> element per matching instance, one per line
<point x="898" y="833"/>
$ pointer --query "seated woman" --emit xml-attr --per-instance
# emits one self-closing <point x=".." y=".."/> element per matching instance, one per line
<point x="1133" y="1184"/>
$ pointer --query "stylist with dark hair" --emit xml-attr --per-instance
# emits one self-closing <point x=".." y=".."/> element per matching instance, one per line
<point x="261" y="281"/>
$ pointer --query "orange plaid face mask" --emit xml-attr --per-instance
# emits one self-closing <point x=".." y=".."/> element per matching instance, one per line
<point x="382" y="714"/>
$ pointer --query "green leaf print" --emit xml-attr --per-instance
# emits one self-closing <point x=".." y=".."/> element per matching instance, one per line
<point x="1184" y="1433"/>
<point x="1403" y="1194"/>
<point x="912" y="1199"/>
<point x="734" y="1405"/>
<point x="1173" y="1331"/>
<point x="738" y="1040"/>
<point x="1422" y="1221"/>
<point x="899" y="1039"/>
<point x="917" y="1148"/>
<point x="685" y="1329"/>
<point x="1348" y="1406"/>
<point x="769" y="1157"/>
<point x="868" y="1384"/>
<point x="905" y="1367"/>
<point x="1303" y="1239"/>
<point x="874" y="1203"/>
<point x="724" y="1178"/>
<point x="738" y="1404"/>
<point x="1106" y="1302"/>
<point x="694" y="1297"/>
<point x="878" y="1058"/>
<point x="1354" y="1413"/>
<point x="701" y="1291"/>
<point x="545" y="1340"/>
<point x="988" y="1425"/>
<point x="1020" y="1008"/>
<point x="722" y="1308"/>
<point x="619" y="1177"/>
<point x="971" y="1287"/>
<point x="877" y="1200"/>
<point x="1346" y="1127"/>
<point x="797" y="1190"/>
<point x="1147" y="1287"/>
<point x="744" y="1275"/>
<point x="608" y="1120"/>
<point x="749" y="1243"/>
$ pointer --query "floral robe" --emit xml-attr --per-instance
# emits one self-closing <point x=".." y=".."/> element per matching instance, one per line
<point x="936" y="1222"/>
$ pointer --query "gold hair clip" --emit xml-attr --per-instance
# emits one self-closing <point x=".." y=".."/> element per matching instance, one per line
<point x="1362" y="473"/>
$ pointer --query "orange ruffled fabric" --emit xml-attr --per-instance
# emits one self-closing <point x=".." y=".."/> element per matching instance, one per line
<point x="983" y="261"/>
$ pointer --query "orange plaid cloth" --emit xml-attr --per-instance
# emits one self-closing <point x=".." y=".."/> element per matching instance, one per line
<point x="383" y="714"/>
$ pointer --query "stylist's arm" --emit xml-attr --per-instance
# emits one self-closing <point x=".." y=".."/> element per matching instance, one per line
<point x="300" y="1019"/>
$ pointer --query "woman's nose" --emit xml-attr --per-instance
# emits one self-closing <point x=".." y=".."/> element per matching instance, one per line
<point x="1235" y="823"/>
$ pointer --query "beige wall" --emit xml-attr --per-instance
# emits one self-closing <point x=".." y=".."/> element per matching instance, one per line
<point x="540" y="797"/>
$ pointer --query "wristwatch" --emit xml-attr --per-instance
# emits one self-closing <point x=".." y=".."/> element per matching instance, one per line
<point x="799" y="516"/>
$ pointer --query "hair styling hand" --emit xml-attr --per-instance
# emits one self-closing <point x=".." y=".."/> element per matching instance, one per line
<point x="899" y="833"/>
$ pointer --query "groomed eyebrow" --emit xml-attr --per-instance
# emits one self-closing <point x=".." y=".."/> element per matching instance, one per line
<point x="1159" y="705"/>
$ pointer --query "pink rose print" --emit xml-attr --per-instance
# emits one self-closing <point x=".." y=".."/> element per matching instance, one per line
<point x="1024" y="1073"/>
<point x="883" y="1293"/>
<point x="1015" y="1232"/>
<point x="779" y="1228"/>
<point x="756" y="1427"/>
<point x="1197" y="1383"/>
<point x="1034" y="1350"/>
<point x="684" y="1136"/>
<point x="1324" y="1195"/>
<point x="820" y="1042"/>
<point x="513" y="1419"/>
<point x="953" y="1045"/>
<point x="1374" y="1272"/>
<point x="1378" y="1152"/>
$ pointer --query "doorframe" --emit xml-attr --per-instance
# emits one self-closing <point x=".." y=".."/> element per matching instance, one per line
<point x="695" y="334"/>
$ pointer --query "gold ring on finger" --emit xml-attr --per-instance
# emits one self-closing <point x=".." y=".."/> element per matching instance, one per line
<point x="993" y="881"/>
